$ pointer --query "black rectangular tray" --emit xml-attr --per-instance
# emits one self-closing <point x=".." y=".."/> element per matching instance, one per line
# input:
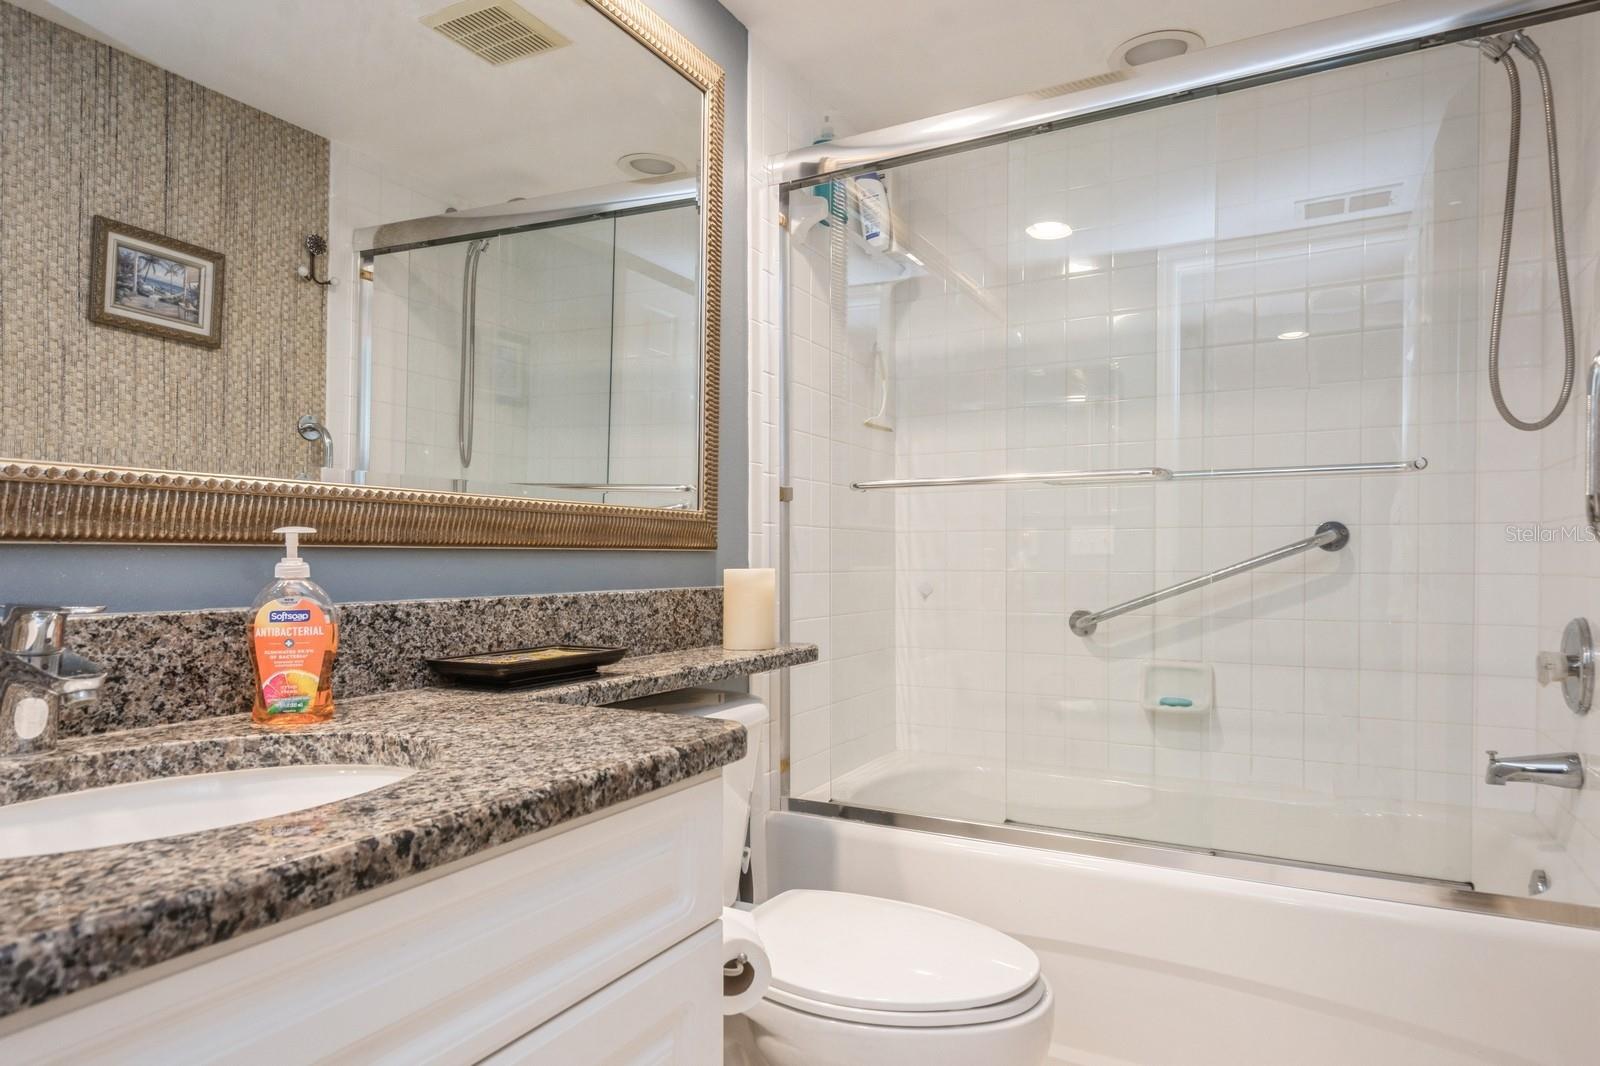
<point x="546" y="664"/>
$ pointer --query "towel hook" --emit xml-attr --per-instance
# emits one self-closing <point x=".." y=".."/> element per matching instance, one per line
<point x="315" y="244"/>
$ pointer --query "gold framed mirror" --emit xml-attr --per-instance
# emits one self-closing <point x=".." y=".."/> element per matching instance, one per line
<point x="125" y="431"/>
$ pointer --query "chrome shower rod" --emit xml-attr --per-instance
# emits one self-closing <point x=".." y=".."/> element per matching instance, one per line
<point x="1330" y="537"/>
<point x="1057" y="477"/>
<point x="1155" y="473"/>
<point x="607" y="487"/>
<point x="1396" y="466"/>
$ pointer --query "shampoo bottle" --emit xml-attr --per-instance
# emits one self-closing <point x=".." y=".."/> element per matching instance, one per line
<point x="875" y="218"/>
<point x="294" y="634"/>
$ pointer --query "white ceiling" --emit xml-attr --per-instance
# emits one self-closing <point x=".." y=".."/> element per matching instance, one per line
<point x="368" y="74"/>
<point x="880" y="62"/>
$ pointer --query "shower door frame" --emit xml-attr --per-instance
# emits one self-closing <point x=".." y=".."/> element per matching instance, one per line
<point x="1359" y="38"/>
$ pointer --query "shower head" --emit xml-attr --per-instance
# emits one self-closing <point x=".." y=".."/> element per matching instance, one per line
<point x="310" y="429"/>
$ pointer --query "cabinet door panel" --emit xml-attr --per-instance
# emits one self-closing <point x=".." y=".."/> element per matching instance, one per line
<point x="666" y="1013"/>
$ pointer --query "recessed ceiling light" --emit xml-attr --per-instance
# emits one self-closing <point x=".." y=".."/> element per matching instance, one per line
<point x="649" y="165"/>
<point x="1049" y="230"/>
<point x="1293" y="335"/>
<point x="1152" y="47"/>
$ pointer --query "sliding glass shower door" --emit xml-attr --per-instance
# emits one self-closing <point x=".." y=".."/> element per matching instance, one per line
<point x="1273" y="279"/>
<point x="1093" y="364"/>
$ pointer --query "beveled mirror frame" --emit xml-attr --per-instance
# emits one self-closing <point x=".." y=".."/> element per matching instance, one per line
<point x="65" y="502"/>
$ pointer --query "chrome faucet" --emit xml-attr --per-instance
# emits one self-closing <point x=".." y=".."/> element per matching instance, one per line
<point x="1563" y="769"/>
<point x="39" y="677"/>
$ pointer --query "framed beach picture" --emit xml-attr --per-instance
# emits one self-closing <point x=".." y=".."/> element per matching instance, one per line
<point x="148" y="283"/>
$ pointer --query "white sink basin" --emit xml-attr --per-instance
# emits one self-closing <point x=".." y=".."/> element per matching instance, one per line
<point x="168" y="806"/>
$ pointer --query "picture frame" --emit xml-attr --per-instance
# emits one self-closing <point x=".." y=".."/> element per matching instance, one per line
<point x="153" y="284"/>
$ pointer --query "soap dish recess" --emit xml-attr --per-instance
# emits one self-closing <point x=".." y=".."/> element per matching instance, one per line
<point x="1195" y="682"/>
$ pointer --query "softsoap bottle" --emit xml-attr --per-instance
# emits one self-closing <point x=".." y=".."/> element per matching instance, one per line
<point x="294" y="635"/>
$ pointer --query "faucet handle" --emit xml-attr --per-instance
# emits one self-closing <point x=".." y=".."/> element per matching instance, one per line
<point x="1552" y="666"/>
<point x="36" y="629"/>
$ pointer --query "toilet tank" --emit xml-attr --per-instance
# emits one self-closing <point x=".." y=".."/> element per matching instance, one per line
<point x="738" y="778"/>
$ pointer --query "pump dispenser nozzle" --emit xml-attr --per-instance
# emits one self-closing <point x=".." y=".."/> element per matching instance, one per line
<point x="291" y="565"/>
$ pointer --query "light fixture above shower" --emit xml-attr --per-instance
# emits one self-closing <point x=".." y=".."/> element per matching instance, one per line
<point x="1155" y="46"/>
<point x="651" y="166"/>
<point x="1049" y="230"/>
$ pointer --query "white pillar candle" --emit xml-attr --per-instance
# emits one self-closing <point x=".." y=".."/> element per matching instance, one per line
<point x="749" y="609"/>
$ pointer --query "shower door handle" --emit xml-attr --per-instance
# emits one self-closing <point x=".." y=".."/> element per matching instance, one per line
<point x="1591" y="450"/>
<point x="467" y="393"/>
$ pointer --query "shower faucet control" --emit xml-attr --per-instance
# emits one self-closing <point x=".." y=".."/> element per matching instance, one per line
<point x="1562" y="769"/>
<point x="1572" y="667"/>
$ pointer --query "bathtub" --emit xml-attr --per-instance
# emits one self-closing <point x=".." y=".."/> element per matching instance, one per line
<point x="1169" y="967"/>
<point x="1491" y="850"/>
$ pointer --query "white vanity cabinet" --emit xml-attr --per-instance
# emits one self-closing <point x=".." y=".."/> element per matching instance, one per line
<point x="594" y="944"/>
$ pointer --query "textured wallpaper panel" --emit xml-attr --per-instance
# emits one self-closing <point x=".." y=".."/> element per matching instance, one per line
<point x="87" y="130"/>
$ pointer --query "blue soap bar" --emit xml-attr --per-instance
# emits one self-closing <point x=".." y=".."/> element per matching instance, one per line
<point x="1175" y="701"/>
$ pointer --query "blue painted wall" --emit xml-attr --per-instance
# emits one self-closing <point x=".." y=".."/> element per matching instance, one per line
<point x="171" y="578"/>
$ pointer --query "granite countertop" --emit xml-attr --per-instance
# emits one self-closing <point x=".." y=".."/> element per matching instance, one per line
<point x="490" y="767"/>
<point x="646" y="675"/>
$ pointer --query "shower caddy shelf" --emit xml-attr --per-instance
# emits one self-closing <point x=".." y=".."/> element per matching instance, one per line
<point x="1154" y="473"/>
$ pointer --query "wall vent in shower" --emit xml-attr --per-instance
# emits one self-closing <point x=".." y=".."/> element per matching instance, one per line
<point x="1094" y="81"/>
<point x="495" y="31"/>
<point x="1351" y="203"/>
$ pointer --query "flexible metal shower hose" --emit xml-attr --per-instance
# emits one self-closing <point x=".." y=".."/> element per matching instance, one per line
<point x="1502" y="55"/>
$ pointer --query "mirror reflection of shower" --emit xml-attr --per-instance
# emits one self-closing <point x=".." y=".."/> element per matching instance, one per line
<point x="550" y="352"/>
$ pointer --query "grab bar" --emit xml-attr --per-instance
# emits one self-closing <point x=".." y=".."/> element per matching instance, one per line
<point x="1330" y="537"/>
<point x="1591" y="474"/>
<point x="1156" y="473"/>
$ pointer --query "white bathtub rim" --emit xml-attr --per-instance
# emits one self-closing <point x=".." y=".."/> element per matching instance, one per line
<point x="1090" y="853"/>
<point x="1458" y="981"/>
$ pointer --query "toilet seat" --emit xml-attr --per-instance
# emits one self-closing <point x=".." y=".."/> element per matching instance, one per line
<point x="910" y="1019"/>
<point x="884" y="962"/>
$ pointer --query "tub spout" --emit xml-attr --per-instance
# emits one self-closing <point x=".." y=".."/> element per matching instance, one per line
<point x="1563" y="769"/>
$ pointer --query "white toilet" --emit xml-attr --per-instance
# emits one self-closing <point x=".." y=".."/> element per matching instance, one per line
<point x="863" y="981"/>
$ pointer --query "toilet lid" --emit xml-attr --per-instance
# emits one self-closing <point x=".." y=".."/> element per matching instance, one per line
<point x="884" y="955"/>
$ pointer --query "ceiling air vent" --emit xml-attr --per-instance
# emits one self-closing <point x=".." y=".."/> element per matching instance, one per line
<point x="495" y="31"/>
